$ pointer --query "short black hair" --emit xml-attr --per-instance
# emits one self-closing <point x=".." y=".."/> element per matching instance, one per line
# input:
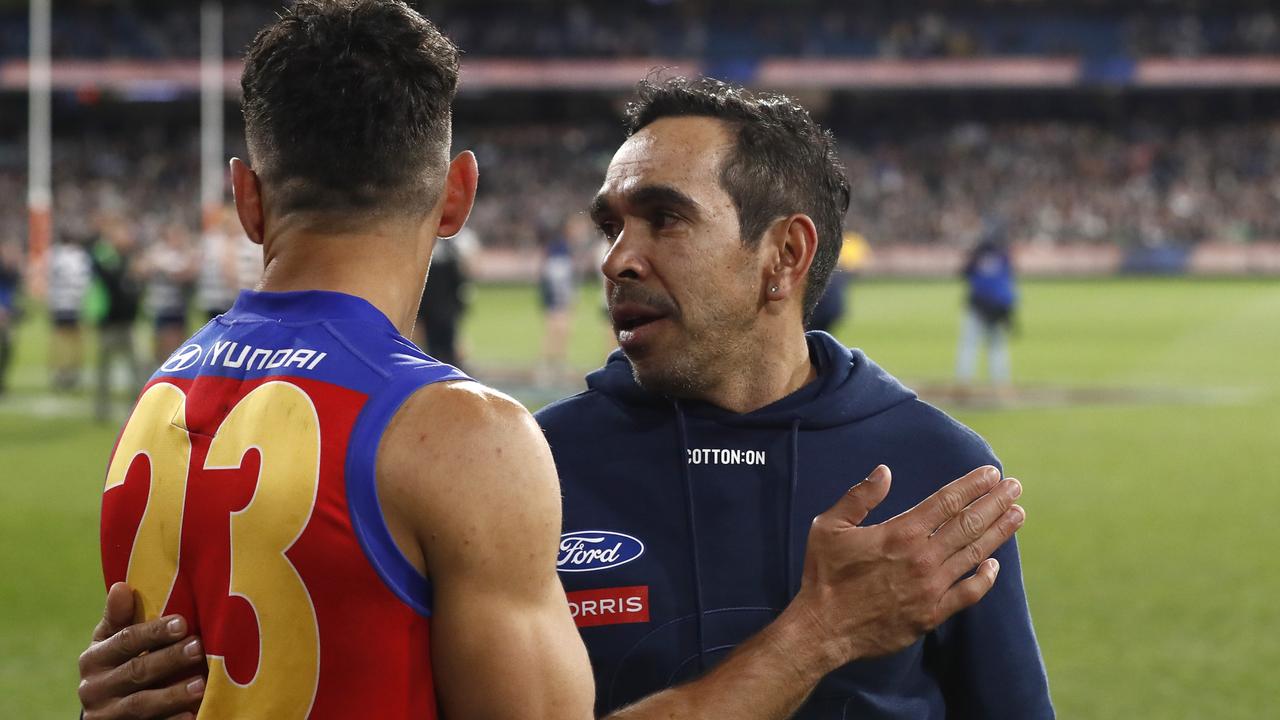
<point x="347" y="107"/>
<point x="783" y="162"/>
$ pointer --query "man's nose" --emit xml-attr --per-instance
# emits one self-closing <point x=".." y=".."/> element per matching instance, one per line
<point x="626" y="260"/>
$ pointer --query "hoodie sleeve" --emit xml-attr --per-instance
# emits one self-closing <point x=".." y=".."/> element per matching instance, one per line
<point x="987" y="658"/>
<point x="989" y="661"/>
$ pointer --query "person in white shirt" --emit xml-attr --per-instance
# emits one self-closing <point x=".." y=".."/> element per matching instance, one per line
<point x="169" y="267"/>
<point x="229" y="263"/>
<point x="69" y="278"/>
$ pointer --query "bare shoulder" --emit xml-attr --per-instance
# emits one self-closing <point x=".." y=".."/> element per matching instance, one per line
<point x="457" y="415"/>
<point x="460" y="460"/>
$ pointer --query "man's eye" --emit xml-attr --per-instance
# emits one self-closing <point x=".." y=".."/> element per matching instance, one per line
<point x="665" y="220"/>
<point x="609" y="229"/>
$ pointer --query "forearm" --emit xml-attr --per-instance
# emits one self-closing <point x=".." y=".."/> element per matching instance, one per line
<point x="766" y="678"/>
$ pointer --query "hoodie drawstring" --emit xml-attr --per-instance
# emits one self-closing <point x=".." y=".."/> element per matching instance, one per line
<point x="691" y="521"/>
<point x="791" y="510"/>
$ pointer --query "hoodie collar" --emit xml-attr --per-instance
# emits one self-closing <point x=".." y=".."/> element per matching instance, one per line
<point x="849" y="387"/>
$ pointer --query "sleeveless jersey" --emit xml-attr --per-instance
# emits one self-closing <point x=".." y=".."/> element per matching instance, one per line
<point x="241" y="494"/>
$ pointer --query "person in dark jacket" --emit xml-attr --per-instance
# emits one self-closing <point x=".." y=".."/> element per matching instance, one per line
<point x="113" y="258"/>
<point x="696" y="459"/>
<point x="444" y="299"/>
<point x="990" y="303"/>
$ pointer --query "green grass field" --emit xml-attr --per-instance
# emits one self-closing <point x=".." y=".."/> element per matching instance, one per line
<point x="1149" y="552"/>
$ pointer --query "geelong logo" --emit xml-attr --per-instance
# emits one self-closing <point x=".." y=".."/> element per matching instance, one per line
<point x="183" y="359"/>
<point x="588" y="550"/>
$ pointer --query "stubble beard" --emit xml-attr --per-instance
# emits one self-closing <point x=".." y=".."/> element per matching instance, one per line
<point x="679" y="378"/>
<point x="693" y="368"/>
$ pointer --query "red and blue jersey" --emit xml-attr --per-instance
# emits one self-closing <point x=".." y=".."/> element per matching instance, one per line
<point x="241" y="494"/>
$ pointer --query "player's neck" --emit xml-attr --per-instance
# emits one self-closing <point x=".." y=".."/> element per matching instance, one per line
<point x="771" y="371"/>
<point x="385" y="268"/>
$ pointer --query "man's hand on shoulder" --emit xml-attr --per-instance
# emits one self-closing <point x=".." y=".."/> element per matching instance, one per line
<point x="146" y="670"/>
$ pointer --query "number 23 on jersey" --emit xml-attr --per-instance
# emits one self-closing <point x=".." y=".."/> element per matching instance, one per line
<point x="279" y="421"/>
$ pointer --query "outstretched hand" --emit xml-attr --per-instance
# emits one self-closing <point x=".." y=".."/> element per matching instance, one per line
<point x="874" y="590"/>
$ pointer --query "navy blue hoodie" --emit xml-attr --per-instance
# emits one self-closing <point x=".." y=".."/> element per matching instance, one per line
<point x="685" y="529"/>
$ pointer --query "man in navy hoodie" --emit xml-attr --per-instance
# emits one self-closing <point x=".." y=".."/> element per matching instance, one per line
<point x="697" y="458"/>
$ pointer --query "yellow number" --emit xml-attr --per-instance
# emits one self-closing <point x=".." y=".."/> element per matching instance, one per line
<point x="153" y="563"/>
<point x="281" y="422"/>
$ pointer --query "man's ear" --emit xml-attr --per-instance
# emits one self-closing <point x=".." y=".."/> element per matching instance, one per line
<point x="459" y="193"/>
<point x="247" y="191"/>
<point x="792" y="242"/>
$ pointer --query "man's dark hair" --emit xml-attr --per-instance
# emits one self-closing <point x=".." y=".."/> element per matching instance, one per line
<point x="783" y="163"/>
<point x="347" y="107"/>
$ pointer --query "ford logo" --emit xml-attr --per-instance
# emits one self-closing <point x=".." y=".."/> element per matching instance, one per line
<point x="588" y="550"/>
<point x="183" y="359"/>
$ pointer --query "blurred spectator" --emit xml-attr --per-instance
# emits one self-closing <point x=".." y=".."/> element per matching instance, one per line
<point x="989" y="308"/>
<point x="114" y="261"/>
<point x="222" y="264"/>
<point x="169" y="268"/>
<point x="557" y="289"/>
<point x="444" y="300"/>
<point x="10" y="283"/>
<point x="69" y="278"/>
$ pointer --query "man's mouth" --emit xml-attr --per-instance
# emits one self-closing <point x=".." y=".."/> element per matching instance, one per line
<point x="630" y="316"/>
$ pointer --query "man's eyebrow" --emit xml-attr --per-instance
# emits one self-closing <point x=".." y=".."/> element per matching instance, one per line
<point x="598" y="208"/>
<point x="647" y="196"/>
<point x="665" y="196"/>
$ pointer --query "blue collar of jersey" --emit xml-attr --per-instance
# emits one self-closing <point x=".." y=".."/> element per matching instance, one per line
<point x="311" y="305"/>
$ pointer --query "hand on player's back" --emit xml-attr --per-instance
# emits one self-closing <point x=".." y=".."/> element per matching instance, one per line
<point x="147" y="670"/>
<point x="874" y="590"/>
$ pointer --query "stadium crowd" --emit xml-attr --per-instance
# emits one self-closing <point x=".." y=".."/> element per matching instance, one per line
<point x="126" y="212"/>
<point x="710" y="29"/>
<point x="1047" y="181"/>
<point x="1064" y="182"/>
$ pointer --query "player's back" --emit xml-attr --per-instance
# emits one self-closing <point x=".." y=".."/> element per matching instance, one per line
<point x="242" y="495"/>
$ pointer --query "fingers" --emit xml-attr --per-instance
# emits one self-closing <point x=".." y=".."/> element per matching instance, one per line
<point x="974" y="520"/>
<point x="117" y="613"/>
<point x="148" y="670"/>
<point x="948" y="502"/>
<point x="968" y="591"/>
<point x="142" y="672"/>
<point x="861" y="499"/>
<point x="975" y="552"/>
<point x="133" y="640"/>
<point x="178" y="699"/>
